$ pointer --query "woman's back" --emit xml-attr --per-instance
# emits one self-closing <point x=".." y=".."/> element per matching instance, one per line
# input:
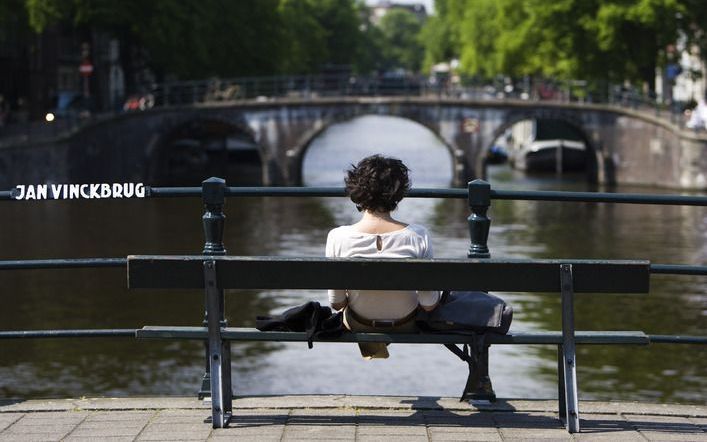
<point x="411" y="241"/>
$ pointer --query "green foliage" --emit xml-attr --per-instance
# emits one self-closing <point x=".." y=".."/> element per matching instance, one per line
<point x="197" y="39"/>
<point x="400" y="30"/>
<point x="592" y="39"/>
<point x="694" y="23"/>
<point x="43" y="12"/>
<point x="201" y="38"/>
<point x="319" y="32"/>
<point x="601" y="40"/>
<point x="369" y="57"/>
<point x="441" y="32"/>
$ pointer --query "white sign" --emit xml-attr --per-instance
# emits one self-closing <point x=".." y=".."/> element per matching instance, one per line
<point x="85" y="69"/>
<point x="78" y="191"/>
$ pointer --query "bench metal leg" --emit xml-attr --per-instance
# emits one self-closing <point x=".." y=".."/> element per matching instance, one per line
<point x="227" y="386"/>
<point x="219" y="417"/>
<point x="226" y="357"/>
<point x="478" y="383"/>
<point x="568" y="349"/>
<point x="561" y="384"/>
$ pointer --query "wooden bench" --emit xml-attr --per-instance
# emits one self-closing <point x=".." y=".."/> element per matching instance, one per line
<point x="216" y="273"/>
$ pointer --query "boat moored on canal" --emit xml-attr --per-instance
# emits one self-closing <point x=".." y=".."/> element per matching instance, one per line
<point x="547" y="146"/>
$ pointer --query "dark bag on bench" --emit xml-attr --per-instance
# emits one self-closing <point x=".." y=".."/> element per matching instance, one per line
<point x="478" y="312"/>
<point x="313" y="319"/>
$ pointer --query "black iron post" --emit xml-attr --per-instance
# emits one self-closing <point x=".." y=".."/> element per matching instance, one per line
<point x="479" y="223"/>
<point x="213" y="191"/>
<point x="480" y="387"/>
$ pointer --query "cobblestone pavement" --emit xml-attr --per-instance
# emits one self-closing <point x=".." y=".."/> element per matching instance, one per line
<point x="333" y="418"/>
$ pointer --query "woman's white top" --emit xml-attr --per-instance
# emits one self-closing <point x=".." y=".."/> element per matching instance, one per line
<point x="410" y="242"/>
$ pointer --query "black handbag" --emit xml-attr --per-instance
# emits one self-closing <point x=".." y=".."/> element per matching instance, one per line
<point x="478" y="312"/>
<point x="317" y="321"/>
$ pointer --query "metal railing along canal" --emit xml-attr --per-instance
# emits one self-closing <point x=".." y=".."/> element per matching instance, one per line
<point x="479" y="194"/>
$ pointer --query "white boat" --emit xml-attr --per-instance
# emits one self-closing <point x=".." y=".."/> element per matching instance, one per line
<point x="547" y="146"/>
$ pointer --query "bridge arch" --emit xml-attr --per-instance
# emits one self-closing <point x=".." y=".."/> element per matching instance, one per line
<point x="299" y="153"/>
<point x="187" y="150"/>
<point x="593" y="157"/>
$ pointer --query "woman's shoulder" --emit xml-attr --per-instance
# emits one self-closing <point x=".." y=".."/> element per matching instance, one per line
<point x="348" y="231"/>
<point x="418" y="229"/>
<point x="339" y="232"/>
<point x="340" y="229"/>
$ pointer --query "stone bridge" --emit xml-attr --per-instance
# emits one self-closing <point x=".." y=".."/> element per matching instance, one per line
<point x="625" y="146"/>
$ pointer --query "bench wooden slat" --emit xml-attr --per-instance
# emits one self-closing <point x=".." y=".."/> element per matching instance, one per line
<point x="252" y="334"/>
<point x="590" y="276"/>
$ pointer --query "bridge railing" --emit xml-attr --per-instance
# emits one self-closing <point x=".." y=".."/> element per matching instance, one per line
<point x="214" y="193"/>
<point x="321" y="85"/>
<point x="303" y="86"/>
<point x="216" y="90"/>
<point x="317" y="86"/>
<point x="479" y="195"/>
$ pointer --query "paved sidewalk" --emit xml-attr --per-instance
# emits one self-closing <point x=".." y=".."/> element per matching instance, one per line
<point x="337" y="417"/>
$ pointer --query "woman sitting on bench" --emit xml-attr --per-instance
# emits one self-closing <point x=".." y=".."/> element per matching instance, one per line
<point x="376" y="185"/>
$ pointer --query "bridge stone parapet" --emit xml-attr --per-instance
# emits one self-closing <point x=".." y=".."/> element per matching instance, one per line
<point x="626" y="146"/>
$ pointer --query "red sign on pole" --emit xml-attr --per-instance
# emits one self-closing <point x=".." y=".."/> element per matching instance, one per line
<point x="86" y="68"/>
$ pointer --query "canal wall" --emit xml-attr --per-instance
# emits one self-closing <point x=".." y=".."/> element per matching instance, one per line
<point x="626" y="146"/>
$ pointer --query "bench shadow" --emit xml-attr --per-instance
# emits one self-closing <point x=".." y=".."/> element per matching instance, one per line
<point x="611" y="425"/>
<point x="427" y="412"/>
<point x="422" y="412"/>
<point x="593" y="426"/>
<point x="440" y="418"/>
<point x="385" y="418"/>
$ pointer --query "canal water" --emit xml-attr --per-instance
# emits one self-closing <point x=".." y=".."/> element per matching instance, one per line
<point x="297" y="227"/>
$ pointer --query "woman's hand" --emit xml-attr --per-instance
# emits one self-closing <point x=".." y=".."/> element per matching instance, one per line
<point x="338" y="306"/>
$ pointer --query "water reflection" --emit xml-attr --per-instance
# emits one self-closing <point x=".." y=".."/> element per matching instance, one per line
<point x="298" y="226"/>
<point x="675" y="304"/>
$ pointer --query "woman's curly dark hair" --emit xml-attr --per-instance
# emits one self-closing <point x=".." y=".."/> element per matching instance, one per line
<point x="377" y="183"/>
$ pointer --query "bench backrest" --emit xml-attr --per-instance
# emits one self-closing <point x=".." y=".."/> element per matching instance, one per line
<point x="253" y="272"/>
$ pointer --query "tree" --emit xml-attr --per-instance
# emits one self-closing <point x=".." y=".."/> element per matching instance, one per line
<point x="341" y="22"/>
<point x="189" y="38"/>
<point x="633" y="34"/>
<point x="400" y="30"/>
<point x="201" y="38"/>
<point x="599" y="40"/>
<point x="319" y="33"/>
<point x="369" y="57"/>
<point x="693" y="24"/>
<point x="440" y="33"/>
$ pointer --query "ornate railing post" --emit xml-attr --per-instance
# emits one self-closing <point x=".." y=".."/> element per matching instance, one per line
<point x="479" y="383"/>
<point x="479" y="223"/>
<point x="213" y="192"/>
